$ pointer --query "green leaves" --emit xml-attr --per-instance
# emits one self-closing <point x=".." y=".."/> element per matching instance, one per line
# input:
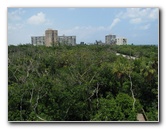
<point x="108" y="111"/>
<point x="81" y="83"/>
<point x="118" y="109"/>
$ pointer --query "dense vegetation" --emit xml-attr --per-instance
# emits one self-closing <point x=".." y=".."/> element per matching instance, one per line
<point x="82" y="83"/>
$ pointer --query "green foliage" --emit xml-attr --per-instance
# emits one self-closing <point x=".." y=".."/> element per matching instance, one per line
<point x="81" y="83"/>
<point x="137" y="51"/>
<point x="108" y="111"/>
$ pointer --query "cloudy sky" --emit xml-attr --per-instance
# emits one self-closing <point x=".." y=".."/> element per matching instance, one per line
<point x="138" y="25"/>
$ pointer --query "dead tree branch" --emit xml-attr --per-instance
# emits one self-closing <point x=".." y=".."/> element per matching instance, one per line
<point x="37" y="101"/>
<point x="97" y="90"/>
<point x="31" y="93"/>
<point x="21" y="106"/>
<point x="146" y="118"/>
<point x="93" y="92"/>
<point x="131" y="85"/>
<point x="40" y="117"/>
<point x="131" y="89"/>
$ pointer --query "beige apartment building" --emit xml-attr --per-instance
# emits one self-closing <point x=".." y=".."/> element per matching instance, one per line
<point x="121" y="41"/>
<point x="38" y="40"/>
<point x="67" y="40"/>
<point x="110" y="39"/>
<point x="51" y="37"/>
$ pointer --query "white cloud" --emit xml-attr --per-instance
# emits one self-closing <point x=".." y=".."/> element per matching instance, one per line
<point x="115" y="21"/>
<point x="15" y="26"/>
<point x="139" y="15"/>
<point x="154" y="14"/>
<point x="136" y="20"/>
<point x="16" y="15"/>
<point x="145" y="27"/>
<point x="37" y="19"/>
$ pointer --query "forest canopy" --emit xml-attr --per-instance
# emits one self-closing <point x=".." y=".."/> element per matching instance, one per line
<point x="82" y="83"/>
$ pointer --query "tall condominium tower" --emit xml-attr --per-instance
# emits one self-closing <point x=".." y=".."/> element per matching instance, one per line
<point x="110" y="39"/>
<point x="51" y="37"/>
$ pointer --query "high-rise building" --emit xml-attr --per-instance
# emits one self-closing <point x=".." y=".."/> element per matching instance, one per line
<point x="51" y="37"/>
<point x="121" y="41"/>
<point x="110" y="39"/>
<point x="38" y="40"/>
<point x="67" y="40"/>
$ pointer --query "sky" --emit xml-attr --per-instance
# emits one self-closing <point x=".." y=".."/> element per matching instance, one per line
<point x="138" y="25"/>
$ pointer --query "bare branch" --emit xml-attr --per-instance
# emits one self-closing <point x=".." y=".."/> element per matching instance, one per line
<point x="92" y="78"/>
<point x="131" y="85"/>
<point x="145" y="114"/>
<point x="40" y="118"/>
<point x="85" y="72"/>
<point x="14" y="74"/>
<point x="21" y="106"/>
<point x="92" y="94"/>
<point x="97" y="90"/>
<point x="131" y="89"/>
<point x="31" y="94"/>
<point x="36" y="104"/>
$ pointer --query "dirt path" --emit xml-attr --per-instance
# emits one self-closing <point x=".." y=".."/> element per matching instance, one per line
<point x="126" y="56"/>
<point x="140" y="117"/>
